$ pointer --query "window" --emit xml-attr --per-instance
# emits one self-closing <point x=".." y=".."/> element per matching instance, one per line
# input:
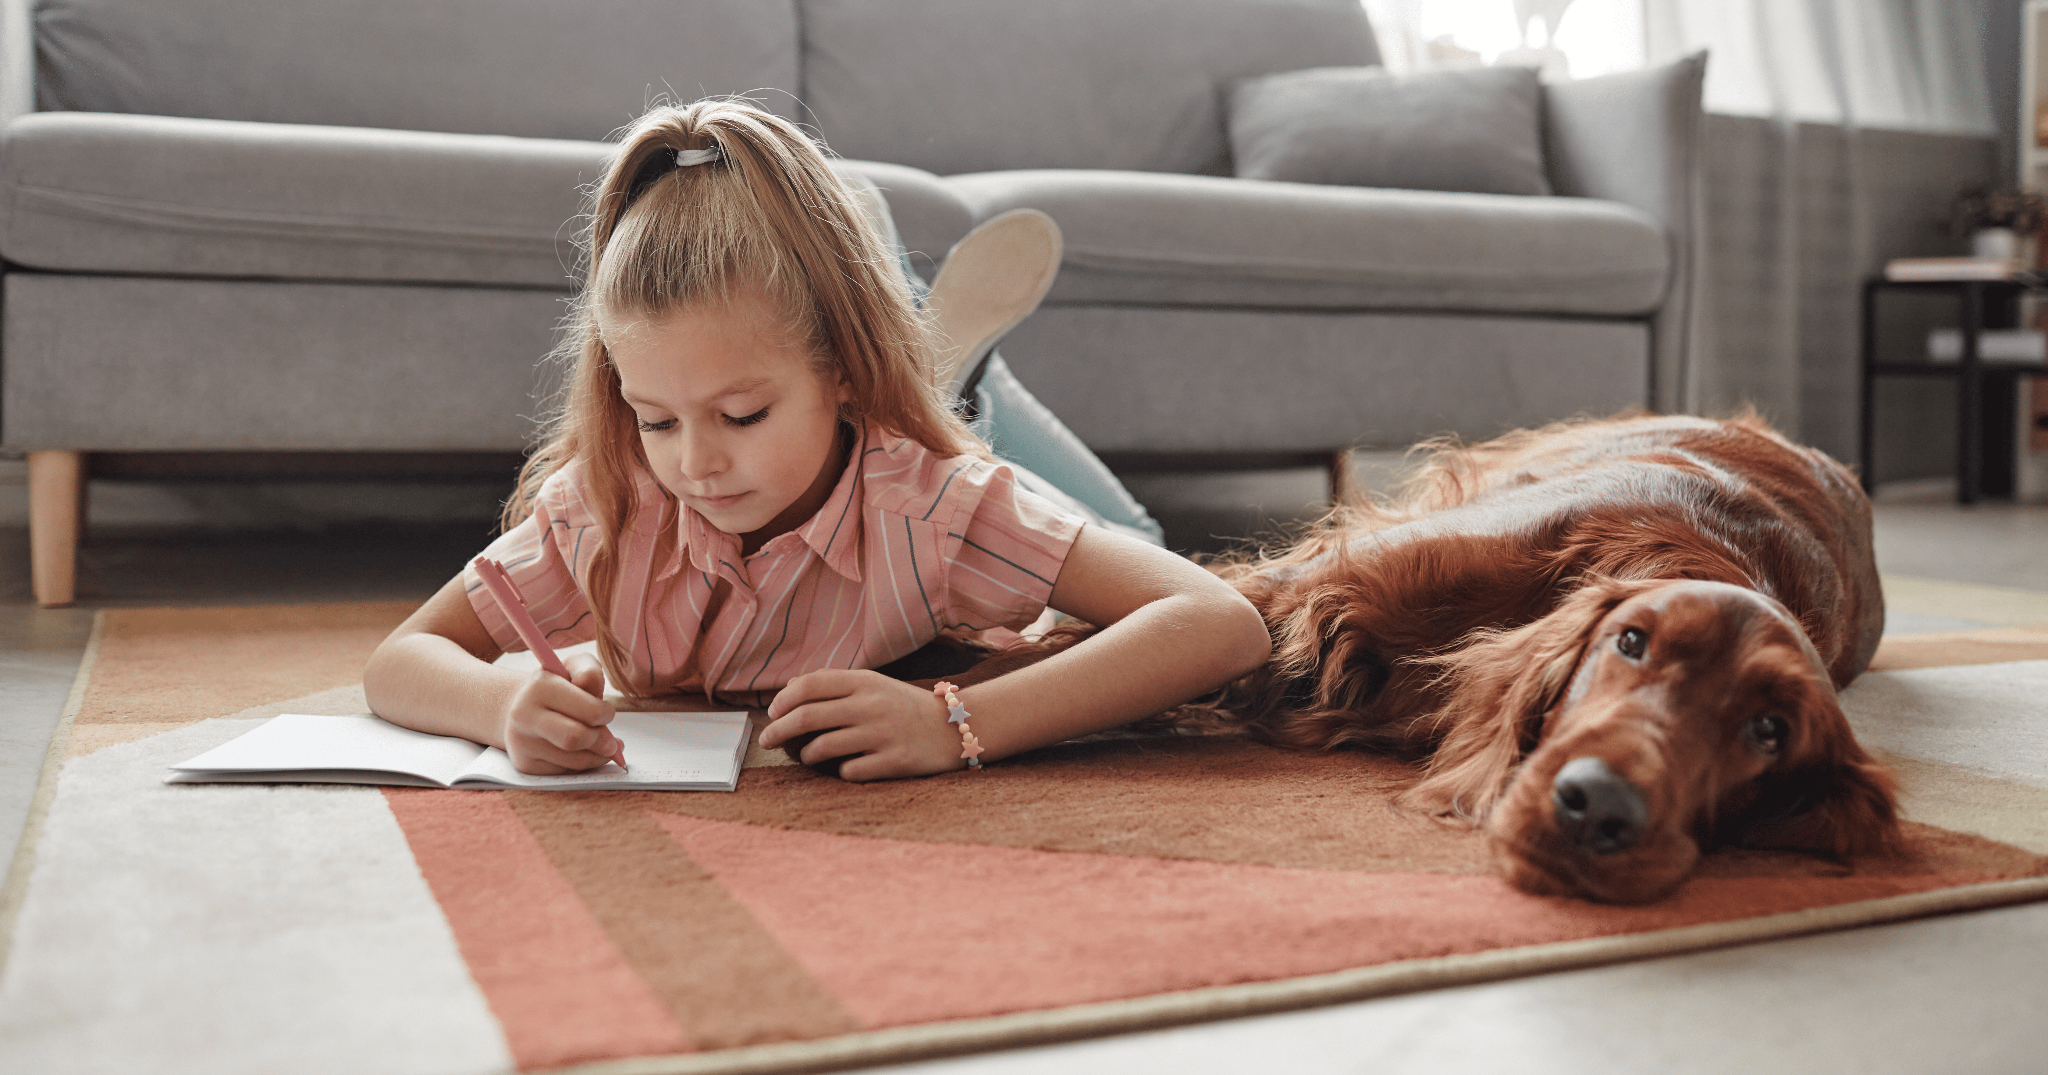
<point x="1566" y="38"/>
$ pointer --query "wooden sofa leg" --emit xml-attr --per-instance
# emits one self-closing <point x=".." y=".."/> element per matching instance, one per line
<point x="56" y="489"/>
<point x="1341" y="478"/>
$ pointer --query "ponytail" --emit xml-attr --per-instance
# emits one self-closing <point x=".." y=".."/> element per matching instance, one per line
<point x="703" y="202"/>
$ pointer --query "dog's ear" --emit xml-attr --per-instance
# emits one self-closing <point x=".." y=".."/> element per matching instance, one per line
<point x="1831" y="797"/>
<point x="1500" y="688"/>
<point x="1837" y="807"/>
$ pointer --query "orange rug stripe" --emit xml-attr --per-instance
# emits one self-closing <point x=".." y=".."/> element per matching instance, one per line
<point x="722" y="977"/>
<point x="905" y="932"/>
<point x="559" y="987"/>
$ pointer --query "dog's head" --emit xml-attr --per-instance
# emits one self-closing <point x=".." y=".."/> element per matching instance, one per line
<point x="1646" y="720"/>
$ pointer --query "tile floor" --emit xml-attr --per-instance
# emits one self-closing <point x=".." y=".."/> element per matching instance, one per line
<point x="1962" y="993"/>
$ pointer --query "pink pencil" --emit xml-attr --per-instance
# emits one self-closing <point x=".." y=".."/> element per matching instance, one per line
<point x="507" y="592"/>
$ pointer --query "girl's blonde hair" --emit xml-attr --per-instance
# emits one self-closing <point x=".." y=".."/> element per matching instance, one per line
<point x="768" y="214"/>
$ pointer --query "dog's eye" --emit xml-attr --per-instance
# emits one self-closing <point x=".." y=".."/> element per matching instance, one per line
<point x="1632" y="642"/>
<point x="1767" y="732"/>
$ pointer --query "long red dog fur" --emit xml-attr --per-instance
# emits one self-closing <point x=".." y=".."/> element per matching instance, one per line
<point x="1676" y="599"/>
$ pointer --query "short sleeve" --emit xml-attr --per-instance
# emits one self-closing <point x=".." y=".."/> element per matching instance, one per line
<point x="538" y="554"/>
<point x="1009" y="557"/>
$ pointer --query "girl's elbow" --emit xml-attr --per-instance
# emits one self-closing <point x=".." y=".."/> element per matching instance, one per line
<point x="378" y="671"/>
<point x="1250" y="644"/>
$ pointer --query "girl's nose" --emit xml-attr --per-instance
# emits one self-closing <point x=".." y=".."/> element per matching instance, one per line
<point x="700" y="458"/>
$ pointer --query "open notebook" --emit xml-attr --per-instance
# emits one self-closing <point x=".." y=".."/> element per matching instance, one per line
<point x="665" y="752"/>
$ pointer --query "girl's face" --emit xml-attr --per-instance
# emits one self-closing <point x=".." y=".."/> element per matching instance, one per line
<point x="735" y="420"/>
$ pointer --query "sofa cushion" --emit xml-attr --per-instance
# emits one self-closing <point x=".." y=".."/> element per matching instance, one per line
<point x="155" y="194"/>
<point x="550" y="70"/>
<point x="929" y="216"/>
<point x="1135" y="237"/>
<point x="90" y="192"/>
<point x="1133" y="379"/>
<point x="124" y="363"/>
<point x="979" y="85"/>
<point x="1474" y="130"/>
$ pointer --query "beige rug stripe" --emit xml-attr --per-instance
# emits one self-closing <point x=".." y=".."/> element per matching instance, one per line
<point x="1965" y="601"/>
<point x="334" y="702"/>
<point x="46" y="791"/>
<point x="903" y="1044"/>
<point x="171" y="667"/>
<point x="1996" y="645"/>
<point x="1963" y="800"/>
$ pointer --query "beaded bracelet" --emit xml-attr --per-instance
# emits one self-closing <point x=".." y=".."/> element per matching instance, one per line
<point x="970" y="747"/>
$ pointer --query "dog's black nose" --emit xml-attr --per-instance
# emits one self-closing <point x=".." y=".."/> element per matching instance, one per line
<point x="1596" y="808"/>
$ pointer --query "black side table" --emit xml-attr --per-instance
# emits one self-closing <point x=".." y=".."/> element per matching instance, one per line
<point x="1972" y="372"/>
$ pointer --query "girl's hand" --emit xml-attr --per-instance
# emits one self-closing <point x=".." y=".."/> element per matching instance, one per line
<point x="895" y="728"/>
<point x="553" y="725"/>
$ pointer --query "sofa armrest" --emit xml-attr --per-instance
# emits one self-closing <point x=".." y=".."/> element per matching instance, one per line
<point x="1634" y="138"/>
<point x="17" y="59"/>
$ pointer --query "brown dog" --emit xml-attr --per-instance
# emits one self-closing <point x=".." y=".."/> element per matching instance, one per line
<point x="1615" y="642"/>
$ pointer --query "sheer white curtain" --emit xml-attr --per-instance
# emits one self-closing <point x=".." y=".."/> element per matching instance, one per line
<point x="1813" y="178"/>
<point x="1906" y="64"/>
<point x="1801" y="210"/>
<point x="1899" y="64"/>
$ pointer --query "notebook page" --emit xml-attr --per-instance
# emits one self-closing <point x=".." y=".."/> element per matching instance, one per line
<point x="700" y="750"/>
<point x="296" y="741"/>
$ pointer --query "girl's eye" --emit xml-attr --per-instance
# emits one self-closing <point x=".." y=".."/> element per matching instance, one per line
<point x="656" y="427"/>
<point x="1767" y="732"/>
<point x="1632" y="642"/>
<point x="748" y="419"/>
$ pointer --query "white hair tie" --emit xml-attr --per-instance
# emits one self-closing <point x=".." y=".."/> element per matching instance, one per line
<point x="688" y="158"/>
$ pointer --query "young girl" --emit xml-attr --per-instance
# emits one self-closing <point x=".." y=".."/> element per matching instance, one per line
<point x="754" y="491"/>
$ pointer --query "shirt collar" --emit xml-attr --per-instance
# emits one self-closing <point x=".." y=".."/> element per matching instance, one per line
<point x="833" y="533"/>
<point x="703" y="544"/>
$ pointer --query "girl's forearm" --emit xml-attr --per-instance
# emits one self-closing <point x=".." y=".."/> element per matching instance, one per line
<point x="430" y="684"/>
<point x="1158" y="657"/>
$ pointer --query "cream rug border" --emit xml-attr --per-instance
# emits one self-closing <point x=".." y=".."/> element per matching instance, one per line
<point x="15" y="893"/>
<point x="1996" y="605"/>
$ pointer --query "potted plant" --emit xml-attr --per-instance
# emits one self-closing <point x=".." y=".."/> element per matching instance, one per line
<point x="1996" y="220"/>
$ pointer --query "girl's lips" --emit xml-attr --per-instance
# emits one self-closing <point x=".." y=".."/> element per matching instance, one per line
<point x="719" y="501"/>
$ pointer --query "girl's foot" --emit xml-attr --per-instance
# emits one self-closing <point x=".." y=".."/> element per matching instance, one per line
<point x="992" y="279"/>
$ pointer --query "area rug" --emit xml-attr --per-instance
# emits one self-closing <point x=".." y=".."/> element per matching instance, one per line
<point x="802" y="923"/>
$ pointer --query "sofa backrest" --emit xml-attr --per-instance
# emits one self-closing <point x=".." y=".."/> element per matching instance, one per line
<point x="982" y="85"/>
<point x="945" y="85"/>
<point x="543" y="68"/>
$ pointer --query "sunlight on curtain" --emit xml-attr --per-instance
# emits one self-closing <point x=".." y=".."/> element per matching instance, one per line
<point x="1905" y="64"/>
<point x="1566" y="38"/>
<point x="1899" y="64"/>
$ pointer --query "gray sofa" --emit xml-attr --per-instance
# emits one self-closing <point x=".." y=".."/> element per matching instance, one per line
<point x="260" y="226"/>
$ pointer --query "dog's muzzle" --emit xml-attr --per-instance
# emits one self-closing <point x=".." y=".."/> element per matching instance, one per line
<point x="1597" y="810"/>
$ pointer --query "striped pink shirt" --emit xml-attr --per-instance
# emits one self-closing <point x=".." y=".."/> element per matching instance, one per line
<point x="908" y="544"/>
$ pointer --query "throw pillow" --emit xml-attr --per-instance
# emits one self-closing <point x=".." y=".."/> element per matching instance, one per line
<point x="1467" y="129"/>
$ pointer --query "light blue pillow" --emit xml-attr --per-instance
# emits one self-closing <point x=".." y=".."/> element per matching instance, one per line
<point x="1022" y="432"/>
